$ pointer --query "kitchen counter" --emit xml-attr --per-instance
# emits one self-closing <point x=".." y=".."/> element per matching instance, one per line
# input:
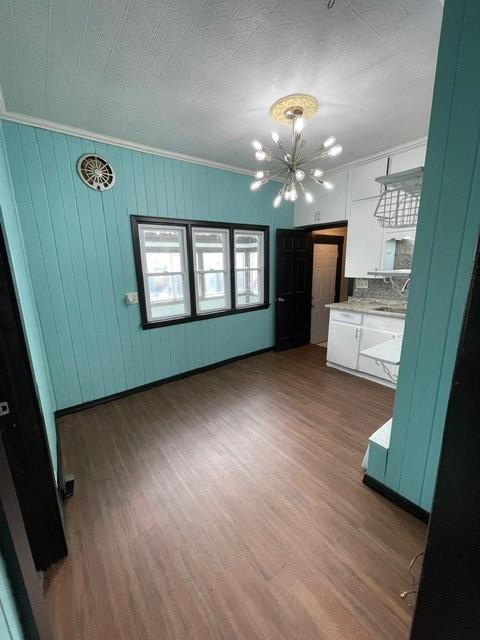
<point x="388" y="351"/>
<point x="396" y="309"/>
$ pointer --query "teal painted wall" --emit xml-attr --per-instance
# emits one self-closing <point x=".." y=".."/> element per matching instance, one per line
<point x="10" y="626"/>
<point x="447" y="236"/>
<point x="80" y="254"/>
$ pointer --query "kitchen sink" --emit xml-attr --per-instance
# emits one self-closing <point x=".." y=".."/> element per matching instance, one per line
<point x="399" y="310"/>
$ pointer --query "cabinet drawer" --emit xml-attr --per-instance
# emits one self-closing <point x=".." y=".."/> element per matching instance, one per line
<point x="384" y="323"/>
<point x="346" y="316"/>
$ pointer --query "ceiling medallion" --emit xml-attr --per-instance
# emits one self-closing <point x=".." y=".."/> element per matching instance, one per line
<point x="288" y="104"/>
<point x="291" y="164"/>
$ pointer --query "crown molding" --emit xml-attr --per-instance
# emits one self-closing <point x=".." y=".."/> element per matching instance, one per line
<point x="32" y="121"/>
<point x="379" y="154"/>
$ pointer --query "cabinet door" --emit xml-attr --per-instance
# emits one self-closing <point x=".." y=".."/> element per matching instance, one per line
<point x="343" y="343"/>
<point x="328" y="206"/>
<point x="370" y="338"/>
<point x="364" y="240"/>
<point x="406" y="160"/>
<point x="304" y="213"/>
<point x="362" y="178"/>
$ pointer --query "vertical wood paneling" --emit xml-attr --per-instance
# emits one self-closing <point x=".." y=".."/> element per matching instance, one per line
<point x="62" y="244"/>
<point x="80" y="254"/>
<point x="447" y="235"/>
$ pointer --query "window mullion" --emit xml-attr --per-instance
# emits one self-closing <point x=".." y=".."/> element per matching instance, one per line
<point x="191" y="270"/>
<point x="233" y="284"/>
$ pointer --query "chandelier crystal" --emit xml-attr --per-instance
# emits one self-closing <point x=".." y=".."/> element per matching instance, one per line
<point x="293" y="164"/>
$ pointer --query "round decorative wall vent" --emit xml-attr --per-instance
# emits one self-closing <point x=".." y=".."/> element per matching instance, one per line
<point x="96" y="172"/>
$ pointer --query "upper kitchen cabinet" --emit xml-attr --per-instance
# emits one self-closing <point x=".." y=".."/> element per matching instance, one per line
<point x="328" y="206"/>
<point x="364" y="240"/>
<point x="406" y="160"/>
<point x="362" y="179"/>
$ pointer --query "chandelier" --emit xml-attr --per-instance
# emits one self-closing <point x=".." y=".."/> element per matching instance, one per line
<point x="292" y="164"/>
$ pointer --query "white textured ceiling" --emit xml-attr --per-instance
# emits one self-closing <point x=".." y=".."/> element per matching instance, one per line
<point x="198" y="76"/>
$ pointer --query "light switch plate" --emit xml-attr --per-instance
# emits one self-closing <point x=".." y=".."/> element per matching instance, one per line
<point x="361" y="283"/>
<point x="131" y="298"/>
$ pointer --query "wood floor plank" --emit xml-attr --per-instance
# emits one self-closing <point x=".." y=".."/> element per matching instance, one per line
<point x="229" y="506"/>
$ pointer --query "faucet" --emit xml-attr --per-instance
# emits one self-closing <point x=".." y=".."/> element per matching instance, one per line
<point x="405" y="286"/>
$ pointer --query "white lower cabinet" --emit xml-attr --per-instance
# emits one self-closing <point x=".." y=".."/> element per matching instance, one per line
<point x="350" y="333"/>
<point x="343" y="344"/>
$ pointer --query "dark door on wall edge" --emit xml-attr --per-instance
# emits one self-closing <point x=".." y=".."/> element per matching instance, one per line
<point x="448" y="599"/>
<point x="293" y="302"/>
<point x="23" y="432"/>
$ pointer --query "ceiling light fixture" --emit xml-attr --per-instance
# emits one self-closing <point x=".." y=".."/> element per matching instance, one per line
<point x="291" y="164"/>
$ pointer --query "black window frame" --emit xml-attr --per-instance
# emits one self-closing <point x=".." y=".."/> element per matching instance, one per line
<point x="194" y="316"/>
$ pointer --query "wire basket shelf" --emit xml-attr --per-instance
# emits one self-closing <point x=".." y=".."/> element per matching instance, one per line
<point x="398" y="204"/>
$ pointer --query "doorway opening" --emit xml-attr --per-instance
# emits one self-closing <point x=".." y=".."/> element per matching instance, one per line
<point x="328" y="280"/>
<point x="310" y="273"/>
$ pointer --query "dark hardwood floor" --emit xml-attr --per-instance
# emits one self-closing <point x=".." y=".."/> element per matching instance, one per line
<point x="230" y="505"/>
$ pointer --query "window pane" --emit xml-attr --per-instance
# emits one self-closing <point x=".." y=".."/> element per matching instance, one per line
<point x="161" y="262"/>
<point x="163" y="250"/>
<point x="211" y="292"/>
<point x="212" y="271"/>
<point x="249" y="287"/>
<point x="167" y="296"/>
<point x="249" y="267"/>
<point x="210" y="248"/>
<point x="212" y="261"/>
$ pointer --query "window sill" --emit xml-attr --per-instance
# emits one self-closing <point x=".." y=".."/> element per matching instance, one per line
<point x="203" y="316"/>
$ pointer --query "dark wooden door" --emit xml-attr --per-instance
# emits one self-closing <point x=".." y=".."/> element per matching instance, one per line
<point x="449" y="595"/>
<point x="23" y="433"/>
<point x="25" y="581"/>
<point x="293" y="301"/>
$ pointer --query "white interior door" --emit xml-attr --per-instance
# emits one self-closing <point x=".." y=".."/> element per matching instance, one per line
<point x="323" y="289"/>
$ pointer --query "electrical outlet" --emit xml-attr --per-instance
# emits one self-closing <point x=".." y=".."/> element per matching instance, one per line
<point x="361" y="283"/>
<point x="131" y="298"/>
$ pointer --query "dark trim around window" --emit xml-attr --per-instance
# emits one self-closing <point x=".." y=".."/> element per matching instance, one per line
<point x="188" y="224"/>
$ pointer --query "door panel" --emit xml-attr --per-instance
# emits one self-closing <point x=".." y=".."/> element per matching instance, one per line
<point x="343" y="341"/>
<point x="323" y="288"/>
<point x="293" y="288"/>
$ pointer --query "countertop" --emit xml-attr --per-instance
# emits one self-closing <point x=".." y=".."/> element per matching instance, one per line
<point x="388" y="351"/>
<point x="371" y="306"/>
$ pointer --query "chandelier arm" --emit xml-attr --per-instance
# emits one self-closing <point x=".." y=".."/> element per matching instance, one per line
<point x="275" y="157"/>
<point x="302" y="161"/>
<point x="274" y="174"/>
<point x="320" y="156"/>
